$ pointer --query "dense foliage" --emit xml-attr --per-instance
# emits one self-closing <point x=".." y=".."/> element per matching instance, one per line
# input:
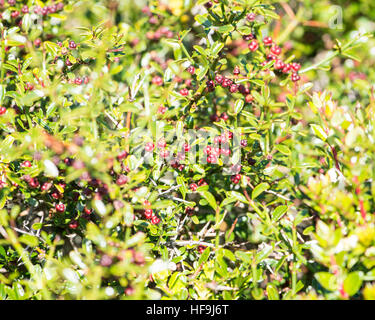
<point x="187" y="150"/>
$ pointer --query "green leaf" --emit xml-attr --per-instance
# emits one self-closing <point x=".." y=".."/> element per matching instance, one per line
<point x="225" y="29"/>
<point x="318" y="130"/>
<point x="272" y="292"/>
<point x="283" y="149"/>
<point x="279" y="212"/>
<point x="352" y="283"/>
<point x="52" y="48"/>
<point x="29" y="240"/>
<point x="238" y="106"/>
<point x="260" y="188"/>
<point x="210" y="199"/>
<point x="327" y="280"/>
<point x="204" y="256"/>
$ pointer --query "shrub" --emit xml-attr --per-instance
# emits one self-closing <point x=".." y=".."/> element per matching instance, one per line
<point x="176" y="151"/>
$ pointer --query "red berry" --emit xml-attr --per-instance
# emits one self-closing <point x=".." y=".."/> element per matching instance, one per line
<point x="187" y="147"/>
<point x="46" y="186"/>
<point x="34" y="183"/>
<point x="26" y="164"/>
<point x="74" y="224"/>
<point x="87" y="210"/>
<point x="121" y="180"/>
<point x="149" y="146"/>
<point x="243" y="143"/>
<point x="208" y="4"/>
<point x="157" y="80"/>
<point x="287" y="68"/>
<point x="276" y="50"/>
<point x="219" y="78"/>
<point x="29" y="86"/>
<point x="295" y="77"/>
<point x="162" y="143"/>
<point x="267" y="41"/>
<point x="235" y="178"/>
<point x="295" y="66"/>
<point x="122" y="155"/>
<point x="202" y="182"/>
<point x="191" y="69"/>
<point x="225" y="152"/>
<point x="148" y="213"/>
<point x="184" y="92"/>
<point x="279" y="64"/>
<point x="207" y="150"/>
<point x="226" y="82"/>
<point x="155" y="220"/>
<point x="201" y="249"/>
<point x="249" y="98"/>
<point x="164" y="153"/>
<point x="253" y="45"/>
<point x="25" y="9"/>
<point x="211" y="159"/>
<point x="248" y="37"/>
<point x="210" y="85"/>
<point x="78" y="81"/>
<point x="236" y="70"/>
<point x="233" y="88"/>
<point x="193" y="187"/>
<point x="224" y="116"/>
<point x="129" y="291"/>
<point x="15" y="14"/>
<point x="2" y="110"/>
<point x="60" y="207"/>
<point x="251" y="16"/>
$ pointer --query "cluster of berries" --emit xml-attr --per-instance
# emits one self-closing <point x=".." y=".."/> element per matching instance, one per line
<point x="273" y="54"/>
<point x="149" y="213"/>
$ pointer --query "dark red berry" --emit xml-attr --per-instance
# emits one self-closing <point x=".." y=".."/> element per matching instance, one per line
<point x="25" y="9"/>
<point x="72" y="44"/>
<point x="3" y="110"/>
<point x="208" y="4"/>
<point x="236" y="70"/>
